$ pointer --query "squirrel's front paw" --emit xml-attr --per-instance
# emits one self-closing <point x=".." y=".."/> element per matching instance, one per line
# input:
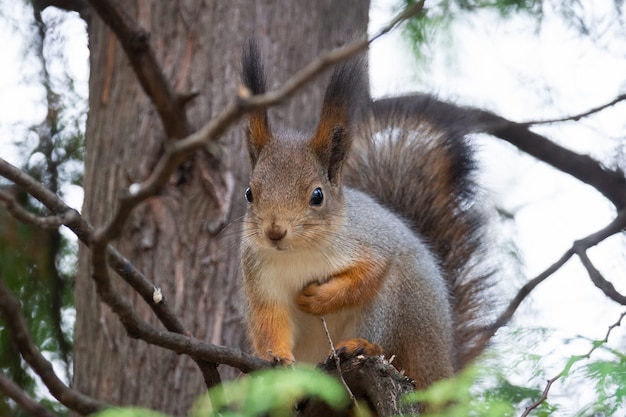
<point x="357" y="346"/>
<point x="280" y="359"/>
<point x="318" y="299"/>
<point x="277" y="361"/>
<point x="352" y="348"/>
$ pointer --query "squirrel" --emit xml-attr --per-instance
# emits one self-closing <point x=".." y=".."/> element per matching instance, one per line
<point x="370" y="222"/>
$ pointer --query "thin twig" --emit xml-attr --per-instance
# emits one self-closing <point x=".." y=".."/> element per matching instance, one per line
<point x="566" y="369"/>
<point x="338" y="363"/>
<point x="576" y="117"/>
<point x="44" y="222"/>
<point x="406" y="14"/>
<point x="523" y="292"/>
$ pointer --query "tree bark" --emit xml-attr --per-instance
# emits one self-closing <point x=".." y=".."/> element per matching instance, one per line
<point x="374" y="382"/>
<point x="185" y="239"/>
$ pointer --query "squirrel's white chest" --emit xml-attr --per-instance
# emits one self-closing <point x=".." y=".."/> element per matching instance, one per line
<point x="282" y="275"/>
<point x="311" y="342"/>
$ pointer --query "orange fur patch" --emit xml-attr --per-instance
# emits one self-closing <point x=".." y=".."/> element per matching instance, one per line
<point x="358" y="346"/>
<point x="356" y="285"/>
<point x="259" y="130"/>
<point x="272" y="333"/>
<point x="331" y="117"/>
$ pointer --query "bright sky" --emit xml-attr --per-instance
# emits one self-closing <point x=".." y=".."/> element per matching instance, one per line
<point x="21" y="97"/>
<point x="507" y="68"/>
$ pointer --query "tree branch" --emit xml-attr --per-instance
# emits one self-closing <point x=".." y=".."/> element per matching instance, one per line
<point x="139" y="328"/>
<point x="616" y="226"/>
<point x="18" y="331"/>
<point x="610" y="183"/>
<point x="598" y="280"/>
<point x="83" y="230"/>
<point x="176" y="152"/>
<point x="48" y="222"/>
<point x="466" y="120"/>
<point x="177" y="339"/>
<point x="136" y="43"/>
<point x="578" y="116"/>
<point x="21" y="398"/>
<point x="460" y="120"/>
<point x="372" y="379"/>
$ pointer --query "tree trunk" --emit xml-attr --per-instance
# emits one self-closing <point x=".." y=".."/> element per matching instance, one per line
<point x="185" y="240"/>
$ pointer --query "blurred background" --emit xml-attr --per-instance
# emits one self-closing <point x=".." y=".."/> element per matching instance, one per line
<point x="523" y="60"/>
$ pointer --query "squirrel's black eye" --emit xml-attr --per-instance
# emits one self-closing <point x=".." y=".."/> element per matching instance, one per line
<point x="249" y="195"/>
<point x="317" y="197"/>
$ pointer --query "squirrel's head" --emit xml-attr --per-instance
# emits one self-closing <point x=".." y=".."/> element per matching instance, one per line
<point x="295" y="197"/>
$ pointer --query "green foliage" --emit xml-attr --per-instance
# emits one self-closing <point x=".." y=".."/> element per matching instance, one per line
<point x="439" y="17"/>
<point x="129" y="412"/>
<point x="38" y="265"/>
<point x="272" y="392"/>
<point x="608" y="378"/>
<point x="484" y="390"/>
<point x="434" y="27"/>
<point x="458" y="396"/>
<point x="27" y="265"/>
<point x="512" y="377"/>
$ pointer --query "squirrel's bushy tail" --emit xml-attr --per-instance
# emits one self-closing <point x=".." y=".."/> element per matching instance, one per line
<point x="411" y="154"/>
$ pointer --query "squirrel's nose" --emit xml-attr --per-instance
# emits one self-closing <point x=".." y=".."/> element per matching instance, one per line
<point x="275" y="232"/>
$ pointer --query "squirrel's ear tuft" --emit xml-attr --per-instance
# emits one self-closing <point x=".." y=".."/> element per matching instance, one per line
<point x="252" y="71"/>
<point x="258" y="133"/>
<point x="344" y="96"/>
<point x="331" y="144"/>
